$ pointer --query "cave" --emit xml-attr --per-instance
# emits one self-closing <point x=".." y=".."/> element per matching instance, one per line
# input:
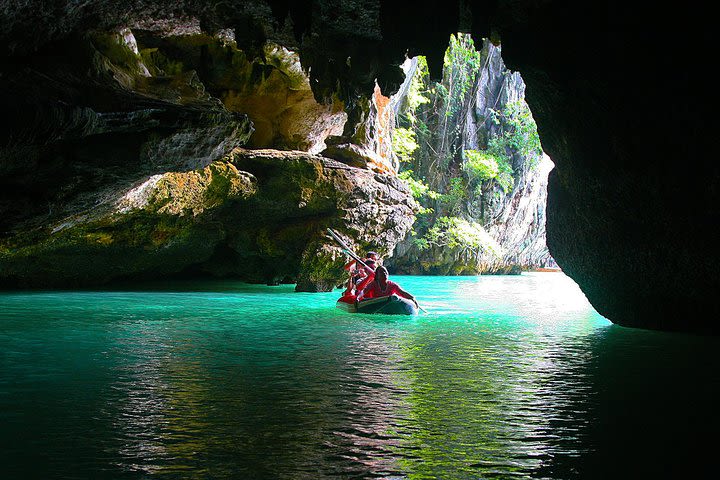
<point x="619" y="92"/>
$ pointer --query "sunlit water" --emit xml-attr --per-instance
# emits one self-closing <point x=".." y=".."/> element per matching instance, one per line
<point x="504" y="377"/>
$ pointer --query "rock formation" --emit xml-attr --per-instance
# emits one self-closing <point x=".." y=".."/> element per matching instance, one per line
<point x="627" y="127"/>
<point x="126" y="165"/>
<point x="258" y="215"/>
<point x="486" y="221"/>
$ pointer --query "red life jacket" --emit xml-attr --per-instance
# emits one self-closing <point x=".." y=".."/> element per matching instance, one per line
<point x="374" y="291"/>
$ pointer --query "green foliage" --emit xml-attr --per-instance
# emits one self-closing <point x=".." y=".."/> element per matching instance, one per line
<point x="480" y="166"/>
<point x="404" y="143"/>
<point x="456" y="194"/>
<point x="520" y="130"/>
<point x="420" y="190"/>
<point x="506" y="181"/>
<point x="455" y="232"/>
<point x="519" y="135"/>
<point x="441" y="91"/>
<point x="461" y="65"/>
<point x="430" y="141"/>
<point x="491" y="164"/>
<point x="439" y="104"/>
<point x="421" y="243"/>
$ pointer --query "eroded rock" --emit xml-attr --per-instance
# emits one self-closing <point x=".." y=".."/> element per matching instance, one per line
<point x="258" y="215"/>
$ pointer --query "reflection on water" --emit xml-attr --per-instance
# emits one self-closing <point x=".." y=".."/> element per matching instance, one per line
<point x="505" y="377"/>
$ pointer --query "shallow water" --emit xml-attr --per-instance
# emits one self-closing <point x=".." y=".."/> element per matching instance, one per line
<point x="505" y="377"/>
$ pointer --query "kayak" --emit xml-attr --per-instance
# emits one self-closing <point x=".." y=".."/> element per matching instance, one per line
<point x="392" y="305"/>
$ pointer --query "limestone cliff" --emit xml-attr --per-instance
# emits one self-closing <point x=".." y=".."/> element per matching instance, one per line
<point x="471" y="144"/>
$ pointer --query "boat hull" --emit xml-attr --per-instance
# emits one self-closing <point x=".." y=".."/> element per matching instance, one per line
<point x="392" y="305"/>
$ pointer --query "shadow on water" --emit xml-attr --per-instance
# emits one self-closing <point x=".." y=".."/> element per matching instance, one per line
<point x="651" y="407"/>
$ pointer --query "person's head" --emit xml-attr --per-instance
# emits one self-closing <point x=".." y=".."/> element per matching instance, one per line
<point x="371" y="263"/>
<point x="381" y="274"/>
<point x="372" y="255"/>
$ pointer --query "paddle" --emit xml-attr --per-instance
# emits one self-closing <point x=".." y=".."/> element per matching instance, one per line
<point x="347" y="250"/>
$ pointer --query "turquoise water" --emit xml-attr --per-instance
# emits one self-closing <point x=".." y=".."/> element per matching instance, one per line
<point x="505" y="377"/>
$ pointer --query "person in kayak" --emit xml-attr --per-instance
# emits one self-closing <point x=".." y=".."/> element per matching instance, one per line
<point x="358" y="272"/>
<point x="357" y="276"/>
<point x="355" y="269"/>
<point x="378" y="285"/>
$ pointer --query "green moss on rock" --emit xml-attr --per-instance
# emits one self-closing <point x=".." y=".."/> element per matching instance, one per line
<point x="191" y="193"/>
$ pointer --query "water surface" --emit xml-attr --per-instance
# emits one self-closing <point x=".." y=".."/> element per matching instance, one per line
<point x="505" y="377"/>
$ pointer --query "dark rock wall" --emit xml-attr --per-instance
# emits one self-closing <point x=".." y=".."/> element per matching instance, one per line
<point x="624" y="112"/>
<point x="88" y="121"/>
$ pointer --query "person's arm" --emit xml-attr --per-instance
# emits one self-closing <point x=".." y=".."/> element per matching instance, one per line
<point x="405" y="294"/>
<point x="350" y="287"/>
<point x="366" y="270"/>
<point x="348" y="266"/>
<point x="360" y="288"/>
